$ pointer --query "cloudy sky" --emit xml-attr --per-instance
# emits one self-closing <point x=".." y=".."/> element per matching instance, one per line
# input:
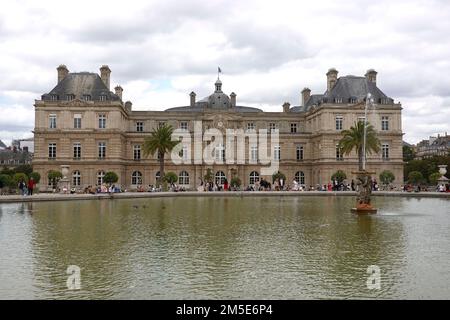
<point x="159" y="51"/>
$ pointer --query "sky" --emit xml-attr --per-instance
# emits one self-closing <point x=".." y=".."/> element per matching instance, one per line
<point x="160" y="51"/>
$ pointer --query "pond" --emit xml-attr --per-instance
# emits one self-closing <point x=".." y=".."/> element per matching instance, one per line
<point x="225" y="248"/>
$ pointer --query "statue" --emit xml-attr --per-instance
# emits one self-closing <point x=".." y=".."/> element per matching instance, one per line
<point x="364" y="189"/>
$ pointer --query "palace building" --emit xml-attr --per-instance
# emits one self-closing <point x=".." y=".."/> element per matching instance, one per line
<point x="82" y="124"/>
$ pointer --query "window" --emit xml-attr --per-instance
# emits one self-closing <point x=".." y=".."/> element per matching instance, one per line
<point x="339" y="121"/>
<point x="52" y="121"/>
<point x="87" y="97"/>
<point x="139" y="126"/>
<point x="385" y="151"/>
<point x="220" y="177"/>
<point x="361" y="119"/>
<point x="293" y="128"/>
<point x="338" y="153"/>
<point x="137" y="152"/>
<point x="250" y="126"/>
<point x="101" y="150"/>
<point x="353" y="100"/>
<point x="77" y="121"/>
<point x="254" y="177"/>
<point x="54" y="97"/>
<point x="272" y="126"/>
<point x="277" y="153"/>
<point x="100" y="176"/>
<point x="76" y="178"/>
<point x="184" y="153"/>
<point x="299" y="152"/>
<point x="183" y="125"/>
<point x="52" y="150"/>
<point x="384" y="123"/>
<point x="338" y="100"/>
<point x="219" y="153"/>
<point x="254" y="153"/>
<point x="103" y="97"/>
<point x="77" y="150"/>
<point x="158" y="176"/>
<point x="102" y="121"/>
<point x="300" y="177"/>
<point x="161" y="124"/>
<point x="136" y="178"/>
<point x="183" y="178"/>
<point x="70" y="97"/>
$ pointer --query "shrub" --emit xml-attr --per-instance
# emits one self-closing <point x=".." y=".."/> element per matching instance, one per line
<point x="36" y="177"/>
<point x="434" y="177"/>
<point x="415" y="177"/>
<point x="170" y="177"/>
<point x="387" y="177"/>
<point x="54" y="177"/>
<point x="339" y="175"/>
<point x="110" y="177"/>
<point x="235" y="182"/>
<point x="20" y="177"/>
<point x="278" y="175"/>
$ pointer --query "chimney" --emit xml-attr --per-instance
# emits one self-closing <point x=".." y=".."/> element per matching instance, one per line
<point x="371" y="76"/>
<point x="119" y="91"/>
<point x="286" y="106"/>
<point x="233" y="99"/>
<point x="62" y="72"/>
<point x="306" y="93"/>
<point x="331" y="78"/>
<point x="192" y="95"/>
<point x="105" y="73"/>
<point x="128" y="105"/>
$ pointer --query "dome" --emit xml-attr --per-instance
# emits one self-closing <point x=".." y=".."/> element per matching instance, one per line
<point x="218" y="100"/>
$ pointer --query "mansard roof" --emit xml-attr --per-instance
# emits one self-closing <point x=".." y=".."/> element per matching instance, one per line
<point x="201" y="108"/>
<point x="80" y="84"/>
<point x="2" y="145"/>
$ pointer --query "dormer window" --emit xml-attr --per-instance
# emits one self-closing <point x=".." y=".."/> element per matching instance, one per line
<point x="87" y="97"/>
<point x="353" y="100"/>
<point x="70" y="97"/>
<point x="54" y="97"/>
<point x="384" y="101"/>
<point x="337" y="100"/>
<point x="103" y="97"/>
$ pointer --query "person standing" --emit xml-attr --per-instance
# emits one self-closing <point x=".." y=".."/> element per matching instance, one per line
<point x="30" y="186"/>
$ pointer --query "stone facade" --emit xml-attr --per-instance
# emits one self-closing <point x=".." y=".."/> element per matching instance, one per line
<point x="81" y="115"/>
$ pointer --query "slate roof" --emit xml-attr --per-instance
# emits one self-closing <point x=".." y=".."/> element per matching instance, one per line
<point x="202" y="108"/>
<point x="79" y="84"/>
<point x="21" y="156"/>
<point x="2" y="145"/>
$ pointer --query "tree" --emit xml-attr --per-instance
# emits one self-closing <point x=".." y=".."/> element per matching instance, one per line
<point x="415" y="177"/>
<point x="36" y="177"/>
<point x="24" y="168"/>
<point x="339" y="175"/>
<point x="387" y="177"/>
<point x="434" y="177"/>
<point x="6" y="181"/>
<point x="110" y="177"/>
<point x="427" y="166"/>
<point x="170" y="177"/>
<point x="235" y="182"/>
<point x="278" y="175"/>
<point x="54" y="177"/>
<point x="7" y="171"/>
<point x="408" y="153"/>
<point x="20" y="177"/>
<point x="160" y="142"/>
<point x="354" y="139"/>
<point x="208" y="176"/>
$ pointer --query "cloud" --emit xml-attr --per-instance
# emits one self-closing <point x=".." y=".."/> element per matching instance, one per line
<point x="268" y="52"/>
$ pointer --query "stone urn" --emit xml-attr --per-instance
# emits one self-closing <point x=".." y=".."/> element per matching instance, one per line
<point x="64" y="183"/>
<point x="442" y="169"/>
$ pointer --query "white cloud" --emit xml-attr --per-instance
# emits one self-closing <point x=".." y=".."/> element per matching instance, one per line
<point x="268" y="52"/>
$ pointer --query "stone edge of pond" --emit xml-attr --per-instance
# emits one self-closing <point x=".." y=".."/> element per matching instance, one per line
<point x="133" y="195"/>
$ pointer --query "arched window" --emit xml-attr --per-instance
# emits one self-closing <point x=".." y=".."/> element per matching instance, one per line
<point x="254" y="177"/>
<point x="76" y="178"/>
<point x="136" y="178"/>
<point x="158" y="176"/>
<point x="100" y="176"/>
<point x="220" y="177"/>
<point x="300" y="177"/>
<point x="183" y="178"/>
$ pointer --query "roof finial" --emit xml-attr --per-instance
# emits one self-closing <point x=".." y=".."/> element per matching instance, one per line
<point x="218" y="73"/>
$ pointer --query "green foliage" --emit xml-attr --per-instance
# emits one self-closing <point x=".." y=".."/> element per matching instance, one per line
<point x="339" y="175"/>
<point x="25" y="168"/>
<point x="353" y="139"/>
<point x="387" y="177"/>
<point x="110" y="177"/>
<point x="209" y="175"/>
<point x="6" y="181"/>
<point x="7" y="171"/>
<point x="427" y="166"/>
<point x="235" y="182"/>
<point x="20" y="177"/>
<point x="53" y="177"/>
<point x="415" y="177"/>
<point x="434" y="177"/>
<point x="408" y="153"/>
<point x="36" y="177"/>
<point x="278" y="175"/>
<point x="170" y="177"/>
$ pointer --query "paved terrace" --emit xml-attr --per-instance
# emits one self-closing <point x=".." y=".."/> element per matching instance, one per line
<point x="129" y="195"/>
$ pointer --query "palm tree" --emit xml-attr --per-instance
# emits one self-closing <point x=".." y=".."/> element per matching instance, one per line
<point x="160" y="142"/>
<point x="354" y="139"/>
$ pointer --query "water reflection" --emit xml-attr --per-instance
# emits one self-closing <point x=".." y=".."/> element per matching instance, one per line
<point x="285" y="247"/>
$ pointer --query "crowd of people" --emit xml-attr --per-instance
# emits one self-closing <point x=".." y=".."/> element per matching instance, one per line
<point x="26" y="189"/>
